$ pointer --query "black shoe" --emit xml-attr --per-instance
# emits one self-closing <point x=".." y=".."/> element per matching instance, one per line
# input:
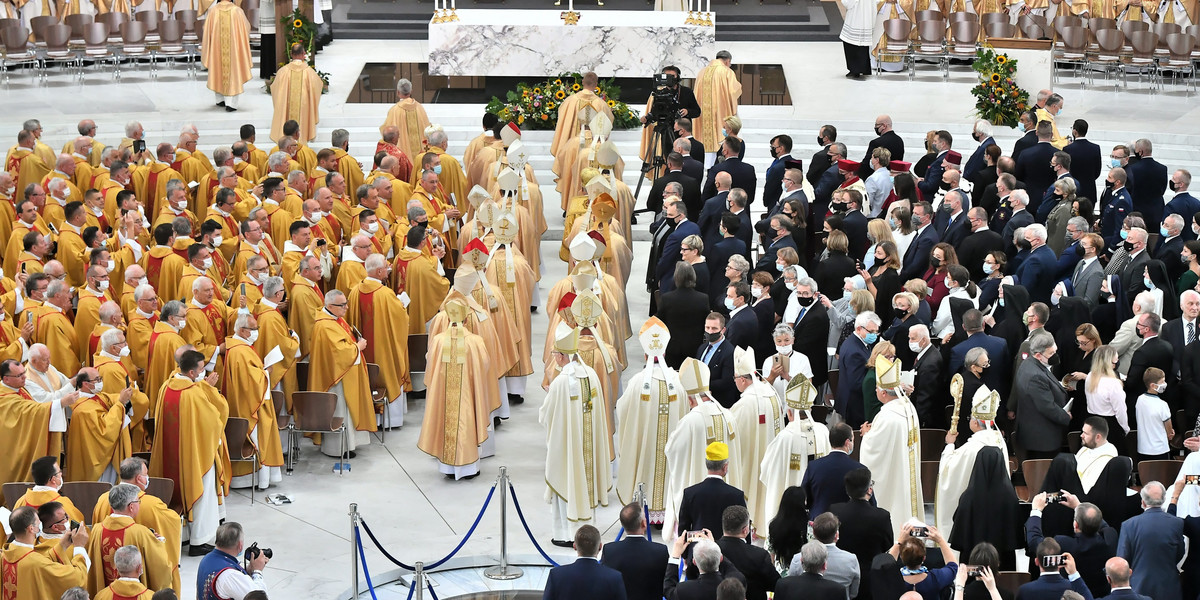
<point x="532" y="309"/>
<point x="194" y="550"/>
<point x="496" y="422"/>
<point x="417" y="395"/>
<point x="230" y="109"/>
<point x="515" y="399"/>
<point x="563" y="543"/>
<point x="352" y="454"/>
<point x="221" y="103"/>
<point x="470" y="476"/>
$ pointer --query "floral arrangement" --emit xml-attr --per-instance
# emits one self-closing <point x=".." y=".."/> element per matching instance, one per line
<point x="535" y="106"/>
<point x="299" y="29"/>
<point x="998" y="98"/>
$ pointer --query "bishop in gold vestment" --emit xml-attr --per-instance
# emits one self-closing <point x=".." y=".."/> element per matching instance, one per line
<point x="296" y="94"/>
<point x="225" y="52"/>
<point x="717" y="92"/>
<point x="409" y="116"/>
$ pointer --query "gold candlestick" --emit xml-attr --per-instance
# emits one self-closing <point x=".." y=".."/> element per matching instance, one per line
<point x="437" y="16"/>
<point x="453" y="16"/>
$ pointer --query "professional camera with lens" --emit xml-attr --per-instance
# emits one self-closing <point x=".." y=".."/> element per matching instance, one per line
<point x="665" y="107"/>
<point x="253" y="551"/>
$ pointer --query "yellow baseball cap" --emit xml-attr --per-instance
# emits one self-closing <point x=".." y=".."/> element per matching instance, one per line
<point x="716" y="451"/>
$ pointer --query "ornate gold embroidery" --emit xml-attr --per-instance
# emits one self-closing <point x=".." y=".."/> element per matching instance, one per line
<point x="589" y="465"/>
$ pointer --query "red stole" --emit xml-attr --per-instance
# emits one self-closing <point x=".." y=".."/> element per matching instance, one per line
<point x="169" y="427"/>
<point x="366" y="307"/>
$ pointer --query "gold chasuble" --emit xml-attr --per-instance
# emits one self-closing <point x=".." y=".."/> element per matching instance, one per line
<point x="457" y="412"/>
<point x="125" y="590"/>
<point x="115" y="531"/>
<point x="336" y="359"/>
<point x="296" y="94"/>
<point x="416" y="274"/>
<point x="575" y="112"/>
<point x="26" y="574"/>
<point x="225" y="50"/>
<point x="97" y="437"/>
<point x="159" y="518"/>
<point x="248" y="391"/>
<point x="25" y="429"/>
<point x="717" y="92"/>
<point x="189" y="438"/>
<point x="26" y="167"/>
<point x="376" y="311"/>
<point x="273" y="331"/>
<point x="409" y="116"/>
<point x="164" y="341"/>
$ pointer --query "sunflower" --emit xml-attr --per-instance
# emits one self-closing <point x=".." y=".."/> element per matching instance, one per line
<point x="550" y="105"/>
<point x="297" y="23"/>
<point x="575" y="87"/>
<point x="995" y="78"/>
<point x="612" y="103"/>
<point x="1001" y="59"/>
<point x="560" y="94"/>
<point x="537" y="90"/>
<point x="557" y="82"/>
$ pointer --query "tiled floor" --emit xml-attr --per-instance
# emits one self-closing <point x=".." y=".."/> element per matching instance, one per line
<point x="416" y="512"/>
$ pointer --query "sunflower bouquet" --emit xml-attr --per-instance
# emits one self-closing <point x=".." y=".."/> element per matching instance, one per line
<point x="998" y="98"/>
<point x="299" y="29"/>
<point x="535" y="106"/>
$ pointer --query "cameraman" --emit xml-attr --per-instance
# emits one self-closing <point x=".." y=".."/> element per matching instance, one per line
<point x="229" y="579"/>
<point x="684" y="98"/>
<point x="669" y="101"/>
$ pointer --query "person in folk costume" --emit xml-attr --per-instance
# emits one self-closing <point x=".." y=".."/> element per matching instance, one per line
<point x="758" y="418"/>
<point x="457" y="427"/>
<point x="801" y="442"/>
<point x="647" y="413"/>
<point x="579" y="457"/>
<point x="486" y="317"/>
<point x="707" y="422"/>
<point x="509" y="274"/>
<point x="593" y="351"/>
<point x="528" y="240"/>
<point x="582" y="277"/>
<point x="892" y="444"/>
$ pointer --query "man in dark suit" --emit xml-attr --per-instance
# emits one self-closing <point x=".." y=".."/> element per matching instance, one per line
<point x="717" y="254"/>
<point x="677" y="212"/>
<point x="854" y="222"/>
<point x="704" y="503"/>
<point x="1088" y="275"/>
<point x="1027" y="124"/>
<point x="824" y="480"/>
<point x="1038" y="399"/>
<point x="866" y="530"/>
<point x="1019" y="201"/>
<point x="927" y="396"/>
<point x="916" y="258"/>
<point x="742" y="327"/>
<point x="933" y="175"/>
<point x="1077" y="227"/>
<point x="830" y="180"/>
<point x="981" y="133"/>
<point x="1117" y="204"/>
<point x="639" y="560"/>
<point x="707" y="559"/>
<point x="1033" y="167"/>
<point x="976" y="245"/>
<point x="1154" y="352"/>
<point x="781" y="151"/>
<point x="585" y="578"/>
<point x="1170" y="246"/>
<point x="996" y="375"/>
<point x="1060" y="163"/>
<point x="717" y="353"/>
<point x="1149" y="179"/>
<point x="1152" y="542"/>
<point x="812" y="330"/>
<point x="1183" y="330"/>
<point x="1085" y="160"/>
<point x="887" y="139"/>
<point x="742" y="173"/>
<point x="1183" y="203"/>
<point x="683" y="310"/>
<point x="995" y="198"/>
<point x="780" y="236"/>
<point x="691" y="187"/>
<point x="852" y="364"/>
<point x="955" y="228"/>
<point x="1092" y="543"/>
<point x="683" y="131"/>
<point x="753" y="562"/>
<point x="1039" y="272"/>
<point x="710" y="215"/>
<point x="1050" y="585"/>
<point x="1133" y="274"/>
<point x="737" y="206"/>
<point x="811" y="584"/>
<point x="1118" y="574"/>
<point x="660" y="230"/>
<point x="821" y="161"/>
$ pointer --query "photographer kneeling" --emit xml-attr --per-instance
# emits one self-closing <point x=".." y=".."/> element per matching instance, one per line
<point x="222" y="574"/>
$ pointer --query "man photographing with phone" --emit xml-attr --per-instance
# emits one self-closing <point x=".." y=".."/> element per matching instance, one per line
<point x="1050" y="584"/>
<point x="27" y="568"/>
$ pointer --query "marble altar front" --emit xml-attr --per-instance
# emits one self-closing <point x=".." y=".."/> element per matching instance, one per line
<point x="536" y="43"/>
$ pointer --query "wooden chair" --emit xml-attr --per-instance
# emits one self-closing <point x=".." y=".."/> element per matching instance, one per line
<point x="1129" y="27"/>
<point x="171" y="46"/>
<point x="162" y="488"/>
<point x="930" y="15"/>
<point x="302" y="375"/>
<point x="1062" y="22"/>
<point x="1074" y="441"/>
<point x="13" y="492"/>
<point x="965" y="35"/>
<point x="931" y="44"/>
<point x="314" y="414"/>
<point x="1071" y="49"/>
<point x="1033" y="26"/>
<point x="897" y="42"/>
<point x="114" y="20"/>
<point x="76" y="23"/>
<point x="39" y="24"/>
<point x="933" y="441"/>
<point x="1035" y="474"/>
<point x="1142" y="57"/>
<point x="187" y="18"/>
<point x="1012" y="580"/>
<point x="133" y="45"/>
<point x="1107" y="54"/>
<point x="1179" y="60"/>
<point x="152" y="19"/>
<point x="379" y="398"/>
<point x="929" y="476"/>
<point x="1162" y="471"/>
<point x="418" y="347"/>
<point x="57" y="39"/>
<point x="7" y="22"/>
<point x="241" y="449"/>
<point x="962" y="17"/>
<point x="84" y="494"/>
<point x="997" y="17"/>
<point x="1000" y="29"/>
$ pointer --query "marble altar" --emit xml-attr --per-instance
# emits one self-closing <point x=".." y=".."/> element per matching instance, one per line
<point x="534" y="43"/>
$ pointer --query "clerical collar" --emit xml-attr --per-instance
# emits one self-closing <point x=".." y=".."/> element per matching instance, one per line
<point x="237" y="161"/>
<point x="352" y="258"/>
<point x="159" y="162"/>
<point x="86" y="395"/>
<point x="184" y="377"/>
<point x="197" y="304"/>
<point x="105" y="354"/>
<point x="294" y="190"/>
<point x="52" y="307"/>
<point x="268" y="303"/>
<point x="274" y="174"/>
<point x="143" y="314"/>
<point x="8" y="387"/>
<point x="43" y="488"/>
<point x="79" y="155"/>
<point x="288" y="246"/>
<point x="270" y="200"/>
<point x="129" y="579"/>
<point x="20" y="544"/>
<point x="64" y="175"/>
<point x="51" y="536"/>
<point x="71" y="227"/>
<point x="369" y="278"/>
<point x="326" y="311"/>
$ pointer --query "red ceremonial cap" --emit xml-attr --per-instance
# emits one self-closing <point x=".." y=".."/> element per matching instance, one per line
<point x="899" y="166"/>
<point x="476" y="244"/>
<point x="954" y="158"/>
<point x="847" y="165"/>
<point x="567" y="300"/>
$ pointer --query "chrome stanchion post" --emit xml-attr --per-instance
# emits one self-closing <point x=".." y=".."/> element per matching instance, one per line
<point x="354" y="548"/>
<point x="419" y="581"/>
<point x="504" y="571"/>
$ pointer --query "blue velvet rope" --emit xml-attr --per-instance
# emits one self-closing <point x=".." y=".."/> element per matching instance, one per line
<point x="439" y="563"/>
<point x="362" y="560"/>
<point x="517" y="505"/>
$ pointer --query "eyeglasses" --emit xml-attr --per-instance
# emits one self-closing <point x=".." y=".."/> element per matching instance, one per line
<point x="342" y="305"/>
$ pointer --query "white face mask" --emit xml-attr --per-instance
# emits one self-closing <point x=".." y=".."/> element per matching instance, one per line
<point x="1162" y="387"/>
<point x="124" y="352"/>
<point x="790" y="286"/>
<point x="178" y="327"/>
<point x="99" y="387"/>
<point x="784" y="350"/>
<point x="373" y="227"/>
<point x="914" y="346"/>
<point x="97" y="211"/>
<point x="217" y="239"/>
<point x="103" y="285"/>
<point x="112" y="265"/>
<point x="317" y="216"/>
<point x="143" y="281"/>
<point x="949" y="284"/>
<point x="9" y="190"/>
<point x="253" y="337"/>
<point x="756" y="292"/>
<point x="729" y="303"/>
<point x="66" y="193"/>
<point x="208" y="264"/>
<point x="261" y="278"/>
<point x="780" y="266"/>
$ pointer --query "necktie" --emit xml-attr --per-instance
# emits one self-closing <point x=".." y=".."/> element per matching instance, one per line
<point x="800" y="316"/>
<point x="1191" y="332"/>
<point x="708" y="353"/>
<point x="1075" y="275"/>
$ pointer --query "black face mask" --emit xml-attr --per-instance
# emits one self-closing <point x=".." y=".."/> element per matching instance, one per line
<point x="1171" y="184"/>
<point x="820" y="142"/>
<point x="1108" y="185"/>
<point x="975" y="136"/>
<point x="878" y="130"/>
<point x="935" y="262"/>
<point x="1127" y="245"/>
<point x="945" y="185"/>
<point x="1079" y="250"/>
<point x="712" y="337"/>
<point x="805" y="301"/>
<point x="838" y="207"/>
<point x="773" y="155"/>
